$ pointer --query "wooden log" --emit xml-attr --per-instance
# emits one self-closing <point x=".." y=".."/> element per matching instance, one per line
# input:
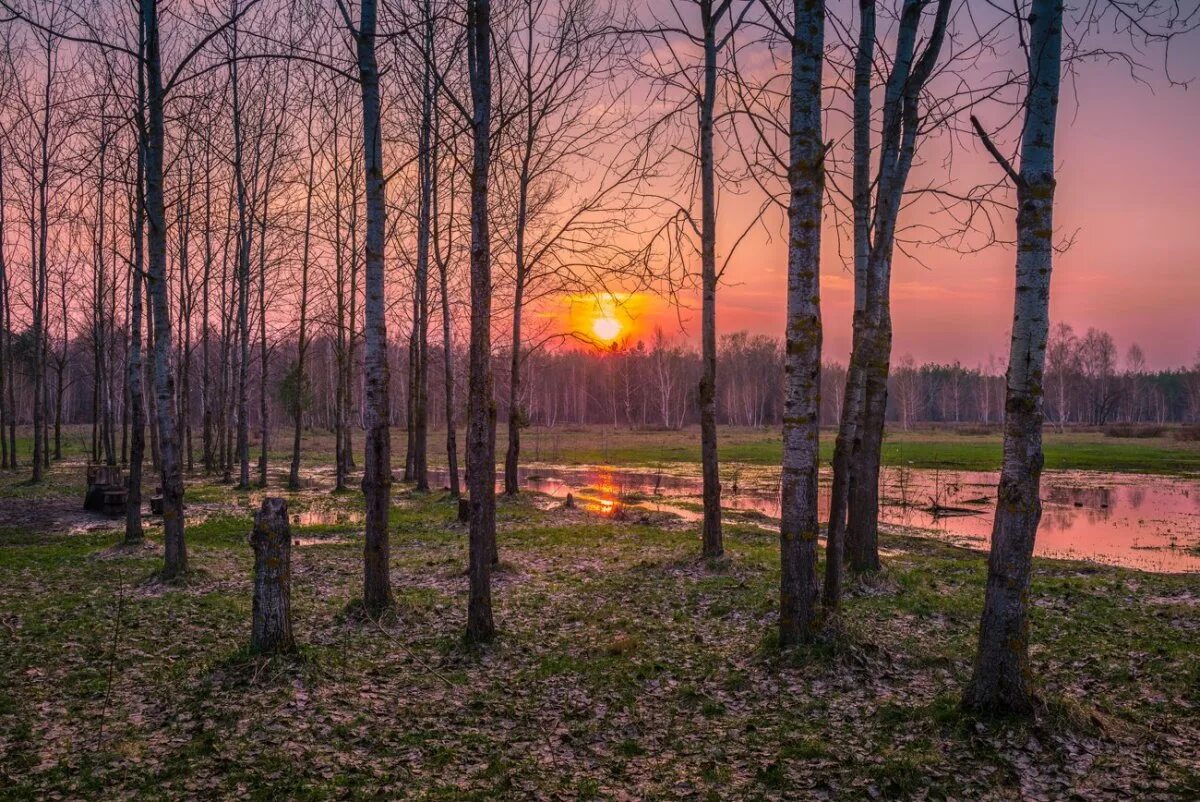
<point x="272" y="541"/>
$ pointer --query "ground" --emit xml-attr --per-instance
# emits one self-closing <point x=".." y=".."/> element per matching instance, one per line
<point x="625" y="668"/>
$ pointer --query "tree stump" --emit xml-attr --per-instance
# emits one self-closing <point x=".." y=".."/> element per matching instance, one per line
<point x="464" y="509"/>
<point x="272" y="542"/>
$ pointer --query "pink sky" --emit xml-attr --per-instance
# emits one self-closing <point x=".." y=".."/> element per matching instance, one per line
<point x="1129" y="186"/>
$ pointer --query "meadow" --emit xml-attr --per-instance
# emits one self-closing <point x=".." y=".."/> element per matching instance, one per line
<point x="625" y="668"/>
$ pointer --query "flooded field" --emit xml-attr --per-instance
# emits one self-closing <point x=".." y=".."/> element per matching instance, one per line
<point x="1147" y="522"/>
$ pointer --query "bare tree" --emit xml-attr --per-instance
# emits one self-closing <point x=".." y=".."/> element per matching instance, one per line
<point x="377" y="464"/>
<point x="717" y="25"/>
<point x="1000" y="680"/>
<point x="877" y="204"/>
<point x="799" y="612"/>
<point x="481" y="406"/>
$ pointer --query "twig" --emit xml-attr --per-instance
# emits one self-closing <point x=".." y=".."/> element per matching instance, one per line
<point x="112" y="660"/>
<point x="412" y="655"/>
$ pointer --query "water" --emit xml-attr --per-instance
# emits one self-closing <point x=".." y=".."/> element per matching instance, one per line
<point x="1151" y="523"/>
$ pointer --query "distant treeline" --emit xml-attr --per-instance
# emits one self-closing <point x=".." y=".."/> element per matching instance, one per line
<point x="653" y="384"/>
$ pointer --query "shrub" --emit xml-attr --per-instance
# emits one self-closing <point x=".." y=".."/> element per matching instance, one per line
<point x="1189" y="433"/>
<point x="975" y="430"/>
<point x="1135" y="430"/>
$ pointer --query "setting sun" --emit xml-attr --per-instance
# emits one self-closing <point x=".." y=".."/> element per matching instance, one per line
<point x="606" y="328"/>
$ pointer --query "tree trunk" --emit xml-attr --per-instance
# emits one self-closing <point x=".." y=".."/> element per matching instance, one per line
<point x="448" y="349"/>
<point x="873" y="345"/>
<point x="852" y="397"/>
<point x="799" y="612"/>
<point x="711" y="531"/>
<point x="377" y="473"/>
<point x="271" y="632"/>
<point x="39" y="284"/>
<point x="512" y="456"/>
<point x="164" y="377"/>
<point x="1001" y="681"/>
<point x="243" y="279"/>
<point x="302" y="343"/>
<point x="420" y="388"/>
<point x="137" y="408"/>
<point x="206" y="393"/>
<point x="862" y="528"/>
<point x="7" y="410"/>
<point x="481" y="407"/>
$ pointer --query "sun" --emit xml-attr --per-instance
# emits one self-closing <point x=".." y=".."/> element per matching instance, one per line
<point x="606" y="328"/>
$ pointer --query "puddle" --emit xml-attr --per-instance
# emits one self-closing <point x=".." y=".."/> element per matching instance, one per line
<point x="302" y="542"/>
<point x="1151" y="523"/>
<point x="326" y="516"/>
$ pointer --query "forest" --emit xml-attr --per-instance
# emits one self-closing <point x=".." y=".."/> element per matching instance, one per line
<point x="341" y="458"/>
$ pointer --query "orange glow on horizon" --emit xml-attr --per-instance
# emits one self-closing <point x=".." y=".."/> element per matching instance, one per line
<point x="603" y="319"/>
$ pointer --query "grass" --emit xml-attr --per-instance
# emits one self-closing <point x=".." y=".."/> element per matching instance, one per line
<point x="625" y="668"/>
<point x="927" y="448"/>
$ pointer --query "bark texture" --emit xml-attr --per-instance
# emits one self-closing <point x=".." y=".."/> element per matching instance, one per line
<point x="377" y="463"/>
<point x="1001" y="681"/>
<point x="481" y="407"/>
<point x="271" y="632"/>
<point x="711" y="533"/>
<point x="175" y="562"/>
<point x="860" y="435"/>
<point x="799" y="611"/>
<point x="852" y="398"/>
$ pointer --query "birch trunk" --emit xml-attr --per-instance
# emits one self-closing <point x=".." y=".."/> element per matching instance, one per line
<point x="799" y="613"/>
<point x="7" y="409"/>
<point x="302" y="340"/>
<point x="865" y="403"/>
<point x="243" y="277"/>
<point x="377" y="466"/>
<point x="164" y="377"/>
<point x="852" y="397"/>
<point x="1002" y="676"/>
<point x="271" y="629"/>
<point x="420" y="395"/>
<point x="206" y="393"/>
<point x="38" y="284"/>
<point x="481" y="407"/>
<point x="711" y="531"/>
<point x="137" y="412"/>
<point x="447" y="341"/>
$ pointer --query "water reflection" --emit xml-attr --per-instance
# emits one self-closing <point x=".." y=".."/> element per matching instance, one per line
<point x="1147" y="522"/>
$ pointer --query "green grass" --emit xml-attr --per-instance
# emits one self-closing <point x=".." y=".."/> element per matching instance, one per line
<point x="624" y="664"/>
<point x="933" y="448"/>
<point x="928" y="447"/>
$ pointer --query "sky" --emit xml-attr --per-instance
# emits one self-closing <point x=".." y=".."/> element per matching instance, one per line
<point x="1128" y="195"/>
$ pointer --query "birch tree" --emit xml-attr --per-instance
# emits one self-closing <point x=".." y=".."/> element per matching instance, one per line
<point x="799" y="611"/>
<point x="718" y="22"/>
<point x="1001" y="677"/>
<point x="377" y="462"/>
<point x="481" y="406"/>
<point x="876" y="202"/>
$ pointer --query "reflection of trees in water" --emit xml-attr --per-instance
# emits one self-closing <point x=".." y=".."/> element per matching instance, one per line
<point x="1089" y="498"/>
<point x="1057" y="519"/>
<point x="1136" y="497"/>
<point x="1092" y="530"/>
